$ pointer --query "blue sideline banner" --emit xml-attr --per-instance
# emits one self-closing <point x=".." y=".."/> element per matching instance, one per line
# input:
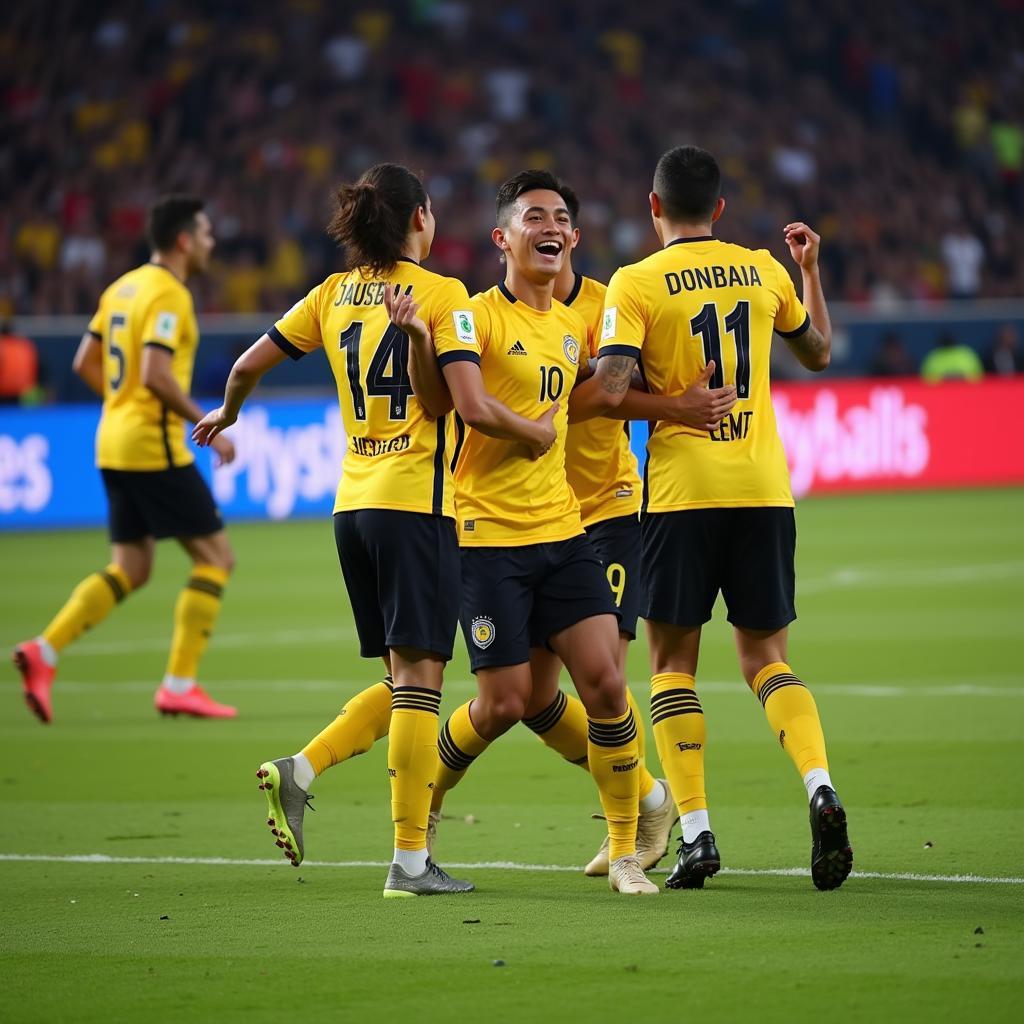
<point x="289" y="456"/>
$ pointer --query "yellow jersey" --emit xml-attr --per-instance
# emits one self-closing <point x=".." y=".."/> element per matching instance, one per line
<point x="396" y="455"/>
<point x="146" y="306"/>
<point x="696" y="300"/>
<point x="528" y="360"/>
<point x="599" y="462"/>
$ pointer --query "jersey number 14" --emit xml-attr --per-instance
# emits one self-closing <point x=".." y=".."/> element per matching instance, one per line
<point x="387" y="375"/>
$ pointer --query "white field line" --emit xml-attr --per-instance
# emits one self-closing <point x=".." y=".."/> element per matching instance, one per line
<point x="895" y="576"/>
<point x="495" y="865"/>
<point x="343" y="687"/>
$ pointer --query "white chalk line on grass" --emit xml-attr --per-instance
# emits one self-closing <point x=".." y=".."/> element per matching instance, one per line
<point x="343" y="687"/>
<point x="493" y="865"/>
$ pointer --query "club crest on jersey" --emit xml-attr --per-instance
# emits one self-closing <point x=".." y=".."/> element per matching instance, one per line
<point x="465" y="328"/>
<point x="611" y="322"/>
<point x="571" y="348"/>
<point x="482" y="631"/>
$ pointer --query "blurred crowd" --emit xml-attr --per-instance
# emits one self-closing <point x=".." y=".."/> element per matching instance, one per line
<point x="897" y="130"/>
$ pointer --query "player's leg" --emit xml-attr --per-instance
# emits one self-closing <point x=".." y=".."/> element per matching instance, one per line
<point x="759" y="589"/>
<point x="497" y="599"/>
<point x="681" y="565"/>
<point x="94" y="598"/>
<point x="575" y="613"/>
<point x="412" y="770"/>
<point x="286" y="780"/>
<point x="196" y="611"/>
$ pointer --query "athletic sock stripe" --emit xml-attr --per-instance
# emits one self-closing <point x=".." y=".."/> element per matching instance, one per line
<point x="415" y="698"/>
<point x="550" y="716"/>
<point x="663" y="695"/>
<point x="579" y="760"/>
<point x="676" y="707"/>
<point x="389" y="683"/>
<point x="664" y="716"/>
<point x="436" y="694"/>
<point x="454" y="758"/>
<point x="205" y="586"/>
<point x="774" y="684"/>
<point x="115" y="585"/>
<point x="671" y="701"/>
<point x="612" y="734"/>
<point x="412" y="704"/>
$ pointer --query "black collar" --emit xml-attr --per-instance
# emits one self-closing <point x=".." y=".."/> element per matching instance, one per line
<point x="695" y="238"/>
<point x="504" y="291"/>
<point x="407" y="259"/>
<point x="571" y="297"/>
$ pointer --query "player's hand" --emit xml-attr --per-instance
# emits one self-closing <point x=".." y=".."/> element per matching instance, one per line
<point x="546" y="432"/>
<point x="803" y="245"/>
<point x="225" y="449"/>
<point x="204" y="432"/>
<point x="402" y="310"/>
<point x="701" y="407"/>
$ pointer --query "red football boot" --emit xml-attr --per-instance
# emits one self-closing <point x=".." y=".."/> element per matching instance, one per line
<point x="36" y="679"/>
<point x="196" y="702"/>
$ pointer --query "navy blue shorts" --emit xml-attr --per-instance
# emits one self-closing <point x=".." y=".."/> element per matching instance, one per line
<point x="159" y="503"/>
<point x="617" y="543"/>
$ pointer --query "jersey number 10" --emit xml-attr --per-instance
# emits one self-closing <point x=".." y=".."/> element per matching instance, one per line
<point x="737" y="323"/>
<point x="388" y="373"/>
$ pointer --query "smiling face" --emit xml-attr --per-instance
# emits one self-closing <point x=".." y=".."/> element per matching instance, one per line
<point x="537" y="236"/>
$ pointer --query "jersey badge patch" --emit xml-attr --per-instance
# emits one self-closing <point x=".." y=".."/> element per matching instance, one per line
<point x="571" y="347"/>
<point x="465" y="328"/>
<point x="611" y="322"/>
<point x="482" y="631"/>
<point x="166" y="323"/>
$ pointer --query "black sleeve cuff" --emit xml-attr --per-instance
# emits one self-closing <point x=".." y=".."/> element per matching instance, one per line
<point x="619" y="350"/>
<point x="158" y="344"/>
<point x="98" y="335"/>
<point x="457" y="357"/>
<point x="802" y="329"/>
<point x="284" y="344"/>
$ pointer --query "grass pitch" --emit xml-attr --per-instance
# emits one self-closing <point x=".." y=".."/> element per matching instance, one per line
<point x="909" y="633"/>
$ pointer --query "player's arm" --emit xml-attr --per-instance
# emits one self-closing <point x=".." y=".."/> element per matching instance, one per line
<point x="427" y="381"/>
<point x="480" y="410"/>
<point x="249" y="367"/>
<point x="606" y="390"/>
<point x="88" y="361"/>
<point x="813" y="347"/>
<point x="699" y="406"/>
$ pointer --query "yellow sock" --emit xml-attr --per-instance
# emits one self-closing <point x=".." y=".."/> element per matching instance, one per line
<point x="793" y="715"/>
<point x="680" y="735"/>
<point x="458" y="746"/>
<point x="562" y="726"/>
<point x="89" y="604"/>
<point x="363" y="720"/>
<point x="412" y="762"/>
<point x="614" y="757"/>
<point x="195" y="613"/>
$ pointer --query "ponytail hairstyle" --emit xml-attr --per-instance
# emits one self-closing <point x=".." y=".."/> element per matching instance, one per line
<point x="371" y="217"/>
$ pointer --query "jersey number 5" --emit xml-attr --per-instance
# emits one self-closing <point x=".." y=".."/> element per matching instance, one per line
<point x="117" y="323"/>
<point x="737" y="323"/>
<point x="388" y="373"/>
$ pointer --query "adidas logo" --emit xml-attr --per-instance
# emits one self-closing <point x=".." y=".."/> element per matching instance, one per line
<point x="518" y="349"/>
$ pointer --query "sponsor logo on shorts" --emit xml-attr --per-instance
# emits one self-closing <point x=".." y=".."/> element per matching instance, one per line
<point x="469" y="525"/>
<point x="625" y="767"/>
<point x="373" y="446"/>
<point x="482" y="631"/>
<point x="688" y="746"/>
<point x="571" y="347"/>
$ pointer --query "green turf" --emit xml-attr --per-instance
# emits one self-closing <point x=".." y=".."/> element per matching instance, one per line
<point x="910" y="608"/>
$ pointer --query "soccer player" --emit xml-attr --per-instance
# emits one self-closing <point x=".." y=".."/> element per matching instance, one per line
<point x="602" y="472"/>
<point x="717" y="512"/>
<point x="137" y="355"/>
<point x="378" y="321"/>
<point x="530" y="577"/>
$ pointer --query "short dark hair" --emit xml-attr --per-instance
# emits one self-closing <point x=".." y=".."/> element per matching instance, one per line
<point x="168" y="217"/>
<point x="371" y="217"/>
<point x="688" y="183"/>
<point x="527" y="181"/>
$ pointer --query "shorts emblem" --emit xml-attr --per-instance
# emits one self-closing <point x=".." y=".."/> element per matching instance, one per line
<point x="482" y="631"/>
